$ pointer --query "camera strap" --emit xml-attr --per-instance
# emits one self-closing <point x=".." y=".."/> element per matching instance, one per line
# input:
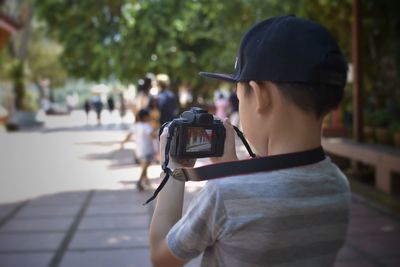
<point x="243" y="167"/>
<point x="220" y="170"/>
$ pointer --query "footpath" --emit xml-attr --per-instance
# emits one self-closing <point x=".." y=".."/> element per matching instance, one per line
<point x="110" y="228"/>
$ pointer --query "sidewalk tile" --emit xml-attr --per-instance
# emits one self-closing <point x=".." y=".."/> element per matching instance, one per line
<point x="48" y="211"/>
<point x="110" y="239"/>
<point x="29" y="241"/>
<point x="123" y="196"/>
<point x="355" y="263"/>
<point x="108" y="258"/>
<point x="37" y="224"/>
<point x="360" y="210"/>
<point x="116" y="209"/>
<point x="5" y="209"/>
<point x="114" y="222"/>
<point x="347" y="253"/>
<point x="370" y="225"/>
<point x="65" y="198"/>
<point x="25" y="259"/>
<point x="394" y="262"/>
<point x="382" y="245"/>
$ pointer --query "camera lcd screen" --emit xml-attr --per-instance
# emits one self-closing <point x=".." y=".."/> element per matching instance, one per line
<point x="199" y="139"/>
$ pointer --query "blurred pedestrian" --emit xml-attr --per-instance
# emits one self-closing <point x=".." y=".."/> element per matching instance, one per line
<point x="185" y="95"/>
<point x="98" y="107"/>
<point x="110" y="103"/>
<point x="143" y="134"/>
<point x="234" y="108"/>
<point x="221" y="106"/>
<point x="143" y="96"/>
<point x="167" y="102"/>
<point x="87" y="107"/>
<point x="154" y="114"/>
<point x="122" y="106"/>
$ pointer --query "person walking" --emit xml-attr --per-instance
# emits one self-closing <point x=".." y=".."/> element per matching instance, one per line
<point x="143" y="133"/>
<point x="167" y="102"/>
<point x="87" y="107"/>
<point x="142" y="98"/>
<point x="234" y="109"/>
<point x="98" y="107"/>
<point x="154" y="114"/>
<point x="111" y="103"/>
<point x="221" y="106"/>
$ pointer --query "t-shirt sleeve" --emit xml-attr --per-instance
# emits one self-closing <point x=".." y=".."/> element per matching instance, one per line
<point x="200" y="227"/>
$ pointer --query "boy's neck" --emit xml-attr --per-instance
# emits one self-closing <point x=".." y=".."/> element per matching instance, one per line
<point x="292" y="135"/>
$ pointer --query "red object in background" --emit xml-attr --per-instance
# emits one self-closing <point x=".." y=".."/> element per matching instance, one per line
<point x="7" y="26"/>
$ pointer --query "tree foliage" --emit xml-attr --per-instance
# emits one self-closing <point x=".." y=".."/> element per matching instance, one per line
<point x="123" y="39"/>
<point x="381" y="51"/>
<point x="43" y="57"/>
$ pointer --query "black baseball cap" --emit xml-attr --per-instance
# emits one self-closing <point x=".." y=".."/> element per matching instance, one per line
<point x="287" y="49"/>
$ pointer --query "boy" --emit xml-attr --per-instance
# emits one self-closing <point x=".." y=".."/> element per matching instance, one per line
<point x="289" y="74"/>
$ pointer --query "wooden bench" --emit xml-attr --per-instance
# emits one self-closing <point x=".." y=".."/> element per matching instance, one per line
<point x="385" y="159"/>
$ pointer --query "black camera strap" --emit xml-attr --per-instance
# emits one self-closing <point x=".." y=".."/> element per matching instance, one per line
<point x="254" y="165"/>
<point x="243" y="167"/>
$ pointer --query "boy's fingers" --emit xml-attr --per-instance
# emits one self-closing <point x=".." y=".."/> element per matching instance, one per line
<point x="163" y="136"/>
<point x="228" y="126"/>
<point x="229" y="146"/>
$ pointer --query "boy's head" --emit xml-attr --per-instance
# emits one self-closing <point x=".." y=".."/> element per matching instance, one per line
<point x="142" y="115"/>
<point x="299" y="56"/>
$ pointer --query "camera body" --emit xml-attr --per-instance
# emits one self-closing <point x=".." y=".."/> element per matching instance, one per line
<point x="196" y="134"/>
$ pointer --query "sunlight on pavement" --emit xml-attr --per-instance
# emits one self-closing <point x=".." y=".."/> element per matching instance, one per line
<point x="66" y="155"/>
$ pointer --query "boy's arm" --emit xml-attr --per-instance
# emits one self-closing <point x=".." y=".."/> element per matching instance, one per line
<point x="167" y="212"/>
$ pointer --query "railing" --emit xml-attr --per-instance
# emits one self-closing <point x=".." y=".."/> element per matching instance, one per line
<point x="386" y="160"/>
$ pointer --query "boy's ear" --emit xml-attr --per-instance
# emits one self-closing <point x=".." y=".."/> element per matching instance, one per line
<point x="262" y="95"/>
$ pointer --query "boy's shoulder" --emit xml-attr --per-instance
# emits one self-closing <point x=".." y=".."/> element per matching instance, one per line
<point x="302" y="180"/>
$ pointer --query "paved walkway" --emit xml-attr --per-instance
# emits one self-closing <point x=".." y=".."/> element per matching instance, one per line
<point x="110" y="228"/>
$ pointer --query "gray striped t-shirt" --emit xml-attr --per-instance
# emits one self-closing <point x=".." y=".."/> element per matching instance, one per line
<point x="290" y="217"/>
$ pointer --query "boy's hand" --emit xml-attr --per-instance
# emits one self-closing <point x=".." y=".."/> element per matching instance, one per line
<point x="174" y="163"/>
<point x="229" y="146"/>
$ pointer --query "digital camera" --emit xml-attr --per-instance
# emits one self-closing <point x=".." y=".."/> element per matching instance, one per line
<point x="196" y="134"/>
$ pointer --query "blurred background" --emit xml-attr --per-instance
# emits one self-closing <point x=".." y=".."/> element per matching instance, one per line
<point x="75" y="74"/>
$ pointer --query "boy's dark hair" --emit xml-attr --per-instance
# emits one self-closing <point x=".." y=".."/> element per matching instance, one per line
<point x="318" y="99"/>
<point x="142" y="115"/>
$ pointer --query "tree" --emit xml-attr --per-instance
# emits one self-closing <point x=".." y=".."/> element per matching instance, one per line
<point x="125" y="39"/>
<point x="43" y="58"/>
<point x="30" y="56"/>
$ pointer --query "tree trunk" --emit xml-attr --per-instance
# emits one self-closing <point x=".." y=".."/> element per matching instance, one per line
<point x="19" y="85"/>
<point x="20" y="50"/>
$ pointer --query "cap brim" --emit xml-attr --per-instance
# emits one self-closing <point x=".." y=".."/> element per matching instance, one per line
<point x="219" y="76"/>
